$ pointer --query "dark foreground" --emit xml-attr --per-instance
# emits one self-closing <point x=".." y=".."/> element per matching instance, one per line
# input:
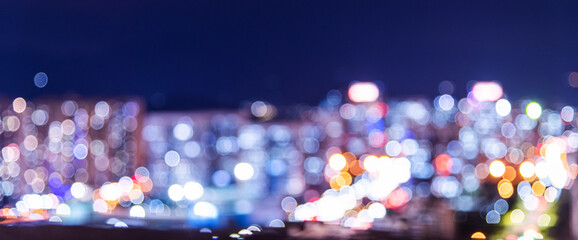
<point x="45" y="230"/>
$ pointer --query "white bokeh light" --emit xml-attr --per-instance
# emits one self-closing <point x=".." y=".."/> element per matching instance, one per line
<point x="376" y="210"/>
<point x="183" y="131"/>
<point x="205" y="209"/>
<point x="503" y="107"/>
<point x="193" y="190"/>
<point x="172" y="158"/>
<point x="534" y="110"/>
<point x="244" y="171"/>
<point x="176" y="192"/>
<point x="78" y="190"/>
<point x="137" y="211"/>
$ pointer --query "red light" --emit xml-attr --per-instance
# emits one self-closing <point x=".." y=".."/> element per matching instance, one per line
<point x="443" y="164"/>
<point x="397" y="199"/>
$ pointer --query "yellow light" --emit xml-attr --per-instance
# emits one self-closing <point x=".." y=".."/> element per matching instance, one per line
<point x="336" y="182"/>
<point x="544" y="220"/>
<point x="347" y="178"/>
<point x="533" y="110"/>
<point x="527" y="169"/>
<point x="478" y="235"/>
<point x="333" y="183"/>
<point x="363" y="92"/>
<point x="337" y="162"/>
<point x="509" y="173"/>
<point x="517" y="216"/>
<point x="19" y="105"/>
<point x="538" y="188"/>
<point x="497" y="168"/>
<point x="505" y="188"/>
<point x="551" y="194"/>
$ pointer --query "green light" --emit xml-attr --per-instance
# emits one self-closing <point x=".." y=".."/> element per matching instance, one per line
<point x="533" y="110"/>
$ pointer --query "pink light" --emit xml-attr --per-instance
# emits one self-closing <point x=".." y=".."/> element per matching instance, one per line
<point x="363" y="92"/>
<point x="487" y="91"/>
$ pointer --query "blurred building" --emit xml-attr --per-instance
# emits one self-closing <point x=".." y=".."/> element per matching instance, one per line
<point x="412" y="165"/>
<point x="241" y="162"/>
<point x="48" y="145"/>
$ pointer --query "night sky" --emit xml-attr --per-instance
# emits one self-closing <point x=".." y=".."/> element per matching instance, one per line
<point x="207" y="54"/>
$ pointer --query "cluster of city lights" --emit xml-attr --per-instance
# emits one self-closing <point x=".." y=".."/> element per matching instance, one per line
<point x="54" y="153"/>
<point x="398" y="153"/>
<point x="229" y="160"/>
<point x="356" y="161"/>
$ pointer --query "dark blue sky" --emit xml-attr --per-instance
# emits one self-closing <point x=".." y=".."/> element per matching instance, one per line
<point x="203" y="54"/>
